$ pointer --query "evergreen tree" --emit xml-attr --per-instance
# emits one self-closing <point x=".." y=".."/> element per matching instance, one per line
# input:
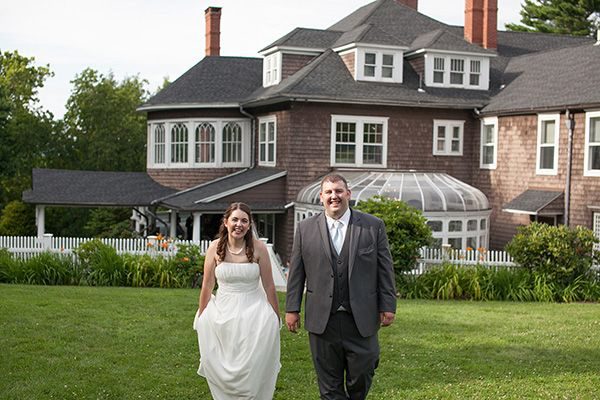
<point x="573" y="17"/>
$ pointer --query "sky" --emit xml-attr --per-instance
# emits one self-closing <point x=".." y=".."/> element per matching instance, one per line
<point x="158" y="39"/>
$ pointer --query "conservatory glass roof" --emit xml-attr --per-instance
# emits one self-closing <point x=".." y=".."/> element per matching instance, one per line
<point x="426" y="191"/>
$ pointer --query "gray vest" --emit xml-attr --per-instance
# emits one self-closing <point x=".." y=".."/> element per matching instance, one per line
<point x="341" y="296"/>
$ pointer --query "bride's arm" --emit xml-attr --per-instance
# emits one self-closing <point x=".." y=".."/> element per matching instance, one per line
<point x="266" y="275"/>
<point x="208" y="278"/>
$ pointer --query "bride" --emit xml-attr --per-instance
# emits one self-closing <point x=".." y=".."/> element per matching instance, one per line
<point x="238" y="328"/>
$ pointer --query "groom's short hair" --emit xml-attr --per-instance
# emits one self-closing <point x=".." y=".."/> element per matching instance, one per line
<point x="334" y="177"/>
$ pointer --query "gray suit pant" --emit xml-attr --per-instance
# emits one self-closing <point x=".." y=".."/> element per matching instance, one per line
<point x="339" y="351"/>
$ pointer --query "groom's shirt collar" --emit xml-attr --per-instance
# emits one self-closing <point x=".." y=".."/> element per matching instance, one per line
<point x="344" y="219"/>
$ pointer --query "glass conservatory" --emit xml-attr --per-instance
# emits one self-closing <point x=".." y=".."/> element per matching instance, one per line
<point x="457" y="213"/>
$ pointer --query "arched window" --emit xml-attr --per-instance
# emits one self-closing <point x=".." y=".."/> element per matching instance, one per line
<point x="179" y="143"/>
<point x="205" y="143"/>
<point x="232" y="143"/>
<point x="159" y="144"/>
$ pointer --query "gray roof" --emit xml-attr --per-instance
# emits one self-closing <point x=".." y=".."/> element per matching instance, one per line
<point x="93" y="188"/>
<point x="207" y="195"/>
<point x="326" y="78"/>
<point x="550" y="80"/>
<point x="532" y="201"/>
<point x="213" y="81"/>
<point x="532" y="68"/>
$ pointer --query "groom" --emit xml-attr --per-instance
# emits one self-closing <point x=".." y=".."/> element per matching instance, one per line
<point x="343" y="258"/>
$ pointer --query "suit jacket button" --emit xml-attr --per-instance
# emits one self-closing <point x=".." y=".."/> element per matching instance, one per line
<point x="339" y="261"/>
<point x="332" y="275"/>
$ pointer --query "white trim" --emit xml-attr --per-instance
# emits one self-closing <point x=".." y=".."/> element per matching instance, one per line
<point x="397" y="66"/>
<point x="241" y="188"/>
<point x="359" y="121"/>
<point x="309" y="51"/>
<point x="486" y="122"/>
<point x="187" y="106"/>
<point x="267" y="120"/>
<point x="484" y="73"/>
<point x="191" y="124"/>
<point x="449" y="52"/>
<point x="449" y="124"/>
<point x="586" y="157"/>
<point x="540" y="121"/>
<point x="272" y="65"/>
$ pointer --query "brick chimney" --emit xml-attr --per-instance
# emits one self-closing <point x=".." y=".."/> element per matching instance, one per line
<point x="490" y="24"/>
<point x="481" y="22"/>
<point x="410" y="3"/>
<point x="213" y="31"/>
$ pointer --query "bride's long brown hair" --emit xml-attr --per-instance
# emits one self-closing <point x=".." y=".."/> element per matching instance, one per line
<point x="222" y="235"/>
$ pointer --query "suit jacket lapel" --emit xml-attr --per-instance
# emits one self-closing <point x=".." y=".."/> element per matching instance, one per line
<point x="324" y="231"/>
<point x="356" y="228"/>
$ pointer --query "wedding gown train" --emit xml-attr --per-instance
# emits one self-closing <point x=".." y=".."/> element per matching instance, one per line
<point x="238" y="336"/>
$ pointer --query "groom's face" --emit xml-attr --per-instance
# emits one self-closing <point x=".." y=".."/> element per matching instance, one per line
<point x="335" y="197"/>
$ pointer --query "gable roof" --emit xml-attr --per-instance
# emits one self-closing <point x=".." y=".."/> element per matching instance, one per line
<point x="93" y="188"/>
<point x="214" y="81"/>
<point x="443" y="39"/>
<point x="368" y="34"/>
<point x="550" y="80"/>
<point x="306" y="38"/>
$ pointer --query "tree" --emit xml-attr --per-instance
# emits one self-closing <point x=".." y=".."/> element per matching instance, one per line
<point x="574" y="17"/>
<point x="17" y="219"/>
<point x="101" y="118"/>
<point x="406" y="228"/>
<point x="29" y="136"/>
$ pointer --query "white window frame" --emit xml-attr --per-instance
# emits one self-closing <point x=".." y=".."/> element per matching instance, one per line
<point x="359" y="140"/>
<point x="163" y="144"/>
<point x="430" y="69"/>
<point x="218" y="124"/>
<point x="474" y="72"/>
<point x="185" y="144"/>
<point x="272" y="69"/>
<point x="587" y="171"/>
<point x="360" y="60"/>
<point x="263" y="159"/>
<point x="490" y="121"/>
<point x="449" y="124"/>
<point x="542" y="118"/>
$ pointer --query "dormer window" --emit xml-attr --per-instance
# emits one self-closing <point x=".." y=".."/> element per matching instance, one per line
<point x="272" y="69"/>
<point x="375" y="64"/>
<point x="457" y="71"/>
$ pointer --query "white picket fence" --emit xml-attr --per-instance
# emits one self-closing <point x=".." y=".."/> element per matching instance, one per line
<point x="488" y="258"/>
<point x="26" y="247"/>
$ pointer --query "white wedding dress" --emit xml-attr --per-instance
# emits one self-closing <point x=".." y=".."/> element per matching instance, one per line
<point x="238" y="336"/>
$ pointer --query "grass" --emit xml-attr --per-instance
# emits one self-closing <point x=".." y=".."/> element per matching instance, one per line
<point x="60" y="342"/>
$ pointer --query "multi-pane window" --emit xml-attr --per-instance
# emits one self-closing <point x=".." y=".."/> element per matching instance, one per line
<point x="547" y="153"/>
<point x="266" y="141"/>
<point x="592" y="144"/>
<point x="272" y="69"/>
<point x="489" y="128"/>
<point x="370" y="64"/>
<point x="199" y="143"/>
<point x="457" y="70"/>
<point x="379" y="65"/>
<point x="205" y="143"/>
<point x="159" y="144"/>
<point x="438" y="70"/>
<point x="232" y="143"/>
<point x="179" y="143"/>
<point x="358" y="141"/>
<point x="387" y="66"/>
<point x="448" y="137"/>
<point x="475" y="73"/>
<point x="454" y="71"/>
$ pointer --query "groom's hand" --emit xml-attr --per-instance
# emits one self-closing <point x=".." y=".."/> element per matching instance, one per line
<point x="386" y="318"/>
<point x="292" y="320"/>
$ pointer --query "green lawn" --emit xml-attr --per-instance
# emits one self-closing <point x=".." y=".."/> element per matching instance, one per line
<point x="124" y="343"/>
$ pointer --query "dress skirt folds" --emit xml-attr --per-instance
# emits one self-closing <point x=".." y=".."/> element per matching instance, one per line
<point x="238" y="336"/>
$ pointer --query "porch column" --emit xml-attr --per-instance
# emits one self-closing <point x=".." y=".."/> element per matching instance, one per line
<point x="196" y="230"/>
<point x="40" y="216"/>
<point x="173" y="230"/>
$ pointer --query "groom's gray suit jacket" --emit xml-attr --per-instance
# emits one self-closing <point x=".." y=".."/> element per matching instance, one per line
<point x="371" y="284"/>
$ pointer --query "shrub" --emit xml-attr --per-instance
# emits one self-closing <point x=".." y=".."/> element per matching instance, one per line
<point x="406" y="228"/>
<point x="559" y="253"/>
<point x="101" y="264"/>
<point x="17" y="219"/>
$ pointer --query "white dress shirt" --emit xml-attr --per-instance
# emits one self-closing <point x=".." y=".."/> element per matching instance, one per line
<point x="344" y="219"/>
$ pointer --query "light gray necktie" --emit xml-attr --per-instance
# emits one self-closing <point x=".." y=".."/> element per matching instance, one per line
<point x="338" y="237"/>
